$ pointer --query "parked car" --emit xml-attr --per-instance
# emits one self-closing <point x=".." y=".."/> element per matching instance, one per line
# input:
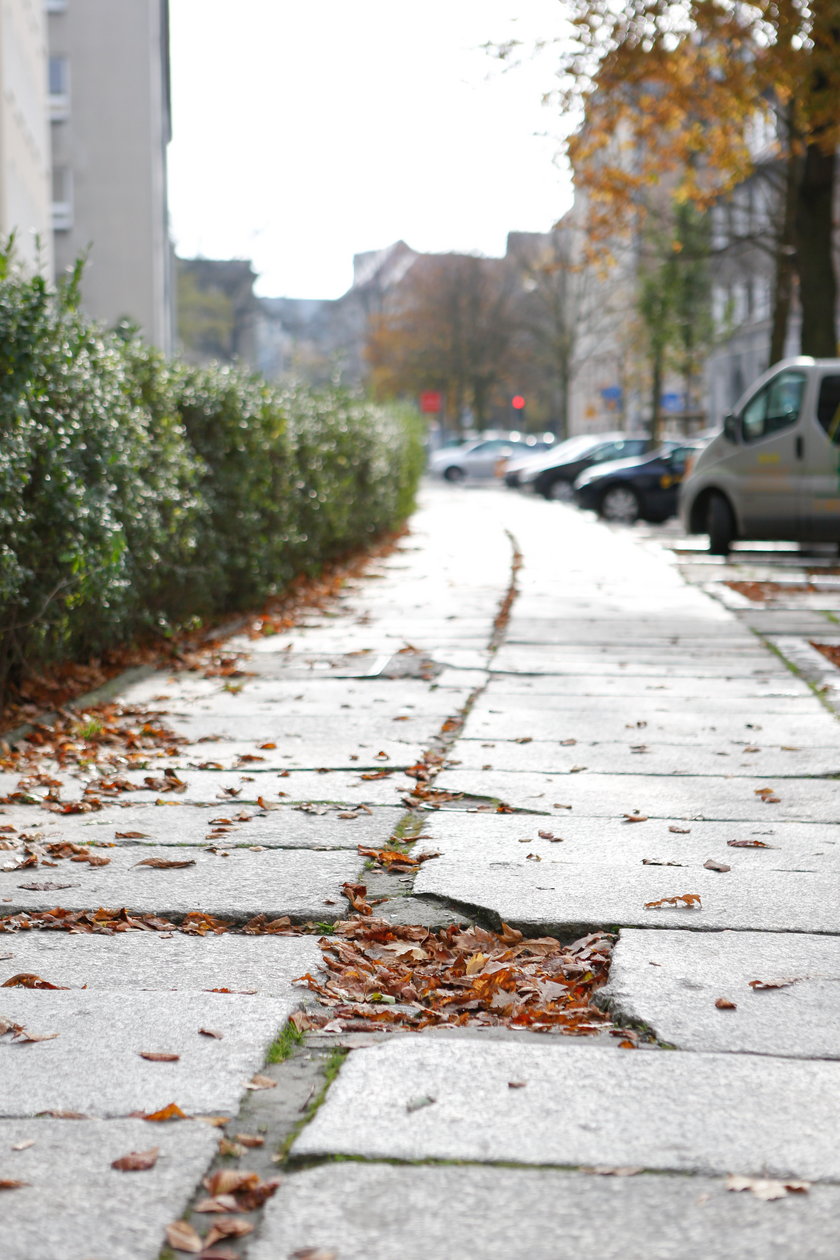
<point x="480" y="459"/>
<point x="542" y="457"/>
<point x="773" y="471"/>
<point x="642" y="488"/>
<point x="555" y="477"/>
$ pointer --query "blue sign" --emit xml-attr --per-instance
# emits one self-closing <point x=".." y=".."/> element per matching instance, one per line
<point x="672" y="402"/>
<point x="612" y="397"/>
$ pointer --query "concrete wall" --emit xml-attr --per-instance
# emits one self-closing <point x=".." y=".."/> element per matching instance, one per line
<point x="109" y="150"/>
<point x="24" y="133"/>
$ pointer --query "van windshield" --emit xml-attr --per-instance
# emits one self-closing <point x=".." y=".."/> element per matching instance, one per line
<point x="828" y="407"/>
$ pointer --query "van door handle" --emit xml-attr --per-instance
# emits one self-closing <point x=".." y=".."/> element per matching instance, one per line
<point x="800" y="447"/>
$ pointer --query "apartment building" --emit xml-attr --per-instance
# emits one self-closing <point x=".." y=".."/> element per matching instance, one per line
<point x="109" y="109"/>
<point x="24" y="133"/>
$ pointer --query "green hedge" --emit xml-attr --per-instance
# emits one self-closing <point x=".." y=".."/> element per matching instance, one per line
<point x="136" y="494"/>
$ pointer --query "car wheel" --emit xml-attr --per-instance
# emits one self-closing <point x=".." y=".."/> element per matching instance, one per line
<point x="453" y="473"/>
<point x="619" y="503"/>
<point x="560" y="490"/>
<point x="720" y="524"/>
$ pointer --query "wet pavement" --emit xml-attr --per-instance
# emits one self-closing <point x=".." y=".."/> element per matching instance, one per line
<point x="591" y="730"/>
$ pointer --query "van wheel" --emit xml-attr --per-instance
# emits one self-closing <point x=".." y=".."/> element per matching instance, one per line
<point x="721" y="526"/>
<point x="620" y="503"/>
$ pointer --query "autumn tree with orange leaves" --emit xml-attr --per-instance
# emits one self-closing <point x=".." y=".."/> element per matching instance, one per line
<point x="448" y="326"/>
<point x="670" y="93"/>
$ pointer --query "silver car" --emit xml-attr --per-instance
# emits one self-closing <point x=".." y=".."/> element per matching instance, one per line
<point x="774" y="471"/>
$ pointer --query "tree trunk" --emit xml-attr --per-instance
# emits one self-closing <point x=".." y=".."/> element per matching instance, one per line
<point x="785" y="267"/>
<point x="817" y="279"/>
<point x="656" y="397"/>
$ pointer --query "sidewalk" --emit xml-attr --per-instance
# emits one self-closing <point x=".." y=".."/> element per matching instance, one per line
<point x="592" y="744"/>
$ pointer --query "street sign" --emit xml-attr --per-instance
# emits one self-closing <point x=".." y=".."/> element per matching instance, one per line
<point x="431" y="402"/>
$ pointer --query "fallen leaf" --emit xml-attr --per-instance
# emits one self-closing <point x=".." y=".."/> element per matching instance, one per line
<point x="313" y="1253"/>
<point x="766" y="1189"/>
<point x="29" y="980"/>
<point x="261" y="1082"/>
<point x="211" y="1032"/>
<point x="158" y="1056"/>
<point x="749" y="844"/>
<point x="680" y="831"/>
<point x="723" y="1004"/>
<point x="417" y="1104"/>
<point x="517" y="1084"/>
<point x="230" y="1180"/>
<point x="23" y="1146"/>
<point x="711" y="865"/>
<point x="227" y="1227"/>
<point x="46" y="885"/>
<point x="636" y="817"/>
<point x="170" y="1112"/>
<point x="130" y="835"/>
<point x="137" y="1161"/>
<point x="772" y="984"/>
<point x="249" y="1139"/>
<point x="8" y="1183"/>
<point x="182" y="1237"/>
<point x="166" y="864"/>
<point x="685" y="899"/>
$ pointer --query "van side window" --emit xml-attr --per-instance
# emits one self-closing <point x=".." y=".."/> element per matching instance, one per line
<point x="828" y="407"/>
<point x="776" y="407"/>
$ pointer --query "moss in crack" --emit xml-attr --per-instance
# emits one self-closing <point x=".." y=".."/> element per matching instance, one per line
<point x="332" y="1066"/>
<point x="285" y="1043"/>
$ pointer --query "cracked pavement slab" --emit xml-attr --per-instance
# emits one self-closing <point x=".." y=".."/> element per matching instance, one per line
<point x="671" y="983"/>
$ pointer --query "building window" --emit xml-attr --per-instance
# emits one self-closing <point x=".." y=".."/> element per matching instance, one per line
<point x="62" y="198"/>
<point x="59" y="87"/>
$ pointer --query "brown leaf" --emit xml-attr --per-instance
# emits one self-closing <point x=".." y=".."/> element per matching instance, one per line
<point x="45" y="885"/>
<point x="636" y="817"/>
<point x="130" y="835"/>
<point x="355" y="894"/>
<point x="249" y="1139"/>
<point x="29" y="980"/>
<point x="158" y="1056"/>
<point x="137" y="1161"/>
<point x="170" y="1112"/>
<point x="711" y="865"/>
<point x="684" y="899"/>
<point x="772" y="984"/>
<point x="182" y="1237"/>
<point x="227" y="1227"/>
<point x="766" y="1189"/>
<point x="681" y="831"/>
<point x="723" y="1004"/>
<point x="166" y="864"/>
<point x="211" y="1032"/>
<point x="218" y="1203"/>
<point x="24" y="1146"/>
<point x="230" y="1180"/>
<point x="313" y="1253"/>
<point x="8" y="1183"/>
<point x="261" y="1082"/>
<point x="749" y="844"/>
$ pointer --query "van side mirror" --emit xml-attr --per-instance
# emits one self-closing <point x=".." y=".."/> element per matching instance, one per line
<point x="730" y="428"/>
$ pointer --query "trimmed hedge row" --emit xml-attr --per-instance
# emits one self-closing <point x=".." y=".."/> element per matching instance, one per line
<point x="136" y="494"/>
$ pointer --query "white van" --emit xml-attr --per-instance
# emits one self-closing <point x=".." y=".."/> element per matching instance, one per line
<point x="774" y="471"/>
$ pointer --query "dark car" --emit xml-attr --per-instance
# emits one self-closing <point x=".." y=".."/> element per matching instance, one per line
<point x="554" y="476"/>
<point x="644" y="488"/>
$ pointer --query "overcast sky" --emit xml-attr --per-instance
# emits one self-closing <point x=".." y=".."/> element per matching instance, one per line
<point x="309" y="130"/>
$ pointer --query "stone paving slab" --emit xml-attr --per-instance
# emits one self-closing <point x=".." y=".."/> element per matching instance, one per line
<point x="151" y="960"/>
<point x="373" y="752"/>
<point x="235" y="788"/>
<point x="671" y="980"/>
<point x="284" y="827"/>
<point x="213" y="700"/>
<point x="76" y="1206"/>
<point x="303" y="884"/>
<point x="611" y="757"/>
<point x="674" y="797"/>
<point x="527" y="1214"/>
<point x="798" y="721"/>
<point x="470" y="839"/>
<point x="557" y="898"/>
<point x="581" y="1105"/>
<point x="93" y="1065"/>
<point x="671" y="664"/>
<point x="291" y="731"/>
<point x="589" y="683"/>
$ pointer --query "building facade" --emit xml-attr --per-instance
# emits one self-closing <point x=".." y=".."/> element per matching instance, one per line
<point x="109" y="108"/>
<point x="24" y="133"/>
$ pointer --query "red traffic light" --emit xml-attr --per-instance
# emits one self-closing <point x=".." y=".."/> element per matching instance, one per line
<point x="517" y="402"/>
